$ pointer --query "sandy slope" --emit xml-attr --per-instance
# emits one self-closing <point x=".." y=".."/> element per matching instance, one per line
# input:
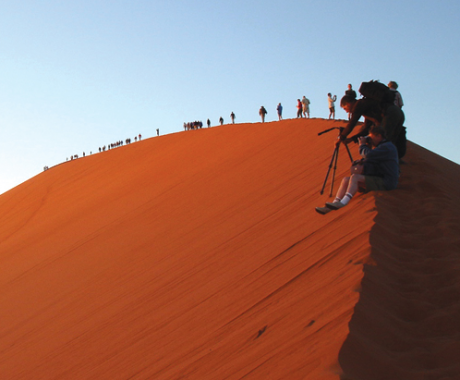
<point x="199" y="255"/>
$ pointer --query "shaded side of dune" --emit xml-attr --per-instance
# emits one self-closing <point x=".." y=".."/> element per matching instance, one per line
<point x="406" y="324"/>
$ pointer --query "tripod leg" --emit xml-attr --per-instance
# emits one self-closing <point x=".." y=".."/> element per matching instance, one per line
<point x="335" y="167"/>
<point x="349" y="153"/>
<point x="328" y="170"/>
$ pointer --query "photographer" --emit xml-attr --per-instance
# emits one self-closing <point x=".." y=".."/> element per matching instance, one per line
<point x="389" y="116"/>
<point x="379" y="169"/>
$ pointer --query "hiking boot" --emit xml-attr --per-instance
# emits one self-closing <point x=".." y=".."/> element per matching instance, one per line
<point x="323" y="210"/>
<point x="335" y="205"/>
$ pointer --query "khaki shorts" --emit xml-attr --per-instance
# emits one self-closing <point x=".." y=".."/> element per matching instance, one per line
<point x="374" y="183"/>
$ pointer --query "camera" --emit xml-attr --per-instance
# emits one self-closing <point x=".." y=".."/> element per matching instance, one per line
<point x="367" y="138"/>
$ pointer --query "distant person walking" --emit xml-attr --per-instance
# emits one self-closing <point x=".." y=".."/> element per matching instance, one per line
<point x="221" y="120"/>
<point x="305" y="107"/>
<point x="331" y="99"/>
<point x="299" y="108"/>
<point x="279" y="109"/>
<point x="262" y="113"/>
<point x="232" y="116"/>
<point x="398" y="98"/>
<point x="208" y="122"/>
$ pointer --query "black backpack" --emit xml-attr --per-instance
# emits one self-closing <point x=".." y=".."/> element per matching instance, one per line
<point x="377" y="91"/>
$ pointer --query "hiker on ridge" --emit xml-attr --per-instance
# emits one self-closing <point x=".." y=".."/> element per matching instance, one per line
<point x="299" y="108"/>
<point x="352" y="93"/>
<point x="331" y="100"/>
<point x="279" y="109"/>
<point x="305" y="107"/>
<point x="262" y="113"/>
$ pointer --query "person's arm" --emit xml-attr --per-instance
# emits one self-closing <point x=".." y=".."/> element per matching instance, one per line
<point x="380" y="153"/>
<point x="355" y="116"/>
<point x="364" y="149"/>
<point x="364" y="131"/>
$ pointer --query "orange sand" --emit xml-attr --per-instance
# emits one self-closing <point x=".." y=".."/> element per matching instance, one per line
<point x="199" y="255"/>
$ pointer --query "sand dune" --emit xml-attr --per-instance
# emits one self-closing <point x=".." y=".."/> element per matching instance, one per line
<point x="199" y="255"/>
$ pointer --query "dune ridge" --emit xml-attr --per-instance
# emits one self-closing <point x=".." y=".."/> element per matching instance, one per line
<point x="199" y="255"/>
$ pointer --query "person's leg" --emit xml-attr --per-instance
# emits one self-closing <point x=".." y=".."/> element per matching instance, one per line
<point x="344" y="196"/>
<point x="340" y="194"/>
<point x="342" y="189"/>
<point x="356" y="180"/>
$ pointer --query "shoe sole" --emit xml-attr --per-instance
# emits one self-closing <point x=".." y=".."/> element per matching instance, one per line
<point x="332" y="207"/>
<point x="323" y="210"/>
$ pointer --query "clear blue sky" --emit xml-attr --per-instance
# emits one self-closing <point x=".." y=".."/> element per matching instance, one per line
<point x="77" y="75"/>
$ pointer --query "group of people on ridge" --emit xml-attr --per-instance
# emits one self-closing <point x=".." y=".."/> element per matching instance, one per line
<point x="303" y="107"/>
<point x="381" y="139"/>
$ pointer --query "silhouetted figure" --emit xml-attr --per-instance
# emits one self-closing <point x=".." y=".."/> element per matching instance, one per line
<point x="352" y="94"/>
<point x="262" y="113"/>
<point x="279" y="110"/>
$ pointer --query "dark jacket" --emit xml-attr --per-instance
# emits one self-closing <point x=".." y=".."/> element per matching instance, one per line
<point x="372" y="112"/>
<point x="382" y="161"/>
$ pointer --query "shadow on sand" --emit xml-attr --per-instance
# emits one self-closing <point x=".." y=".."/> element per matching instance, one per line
<point x="406" y="324"/>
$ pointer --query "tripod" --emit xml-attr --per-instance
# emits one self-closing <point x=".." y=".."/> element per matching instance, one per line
<point x="334" y="159"/>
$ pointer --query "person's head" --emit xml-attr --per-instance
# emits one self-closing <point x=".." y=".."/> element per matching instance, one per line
<point x="349" y="86"/>
<point x="329" y="94"/>
<point x="377" y="135"/>
<point x="347" y="102"/>
<point x="393" y="85"/>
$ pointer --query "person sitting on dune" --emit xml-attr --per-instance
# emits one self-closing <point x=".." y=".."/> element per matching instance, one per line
<point x="378" y="170"/>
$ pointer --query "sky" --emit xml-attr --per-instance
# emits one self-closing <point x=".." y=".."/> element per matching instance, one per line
<point x="78" y="75"/>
